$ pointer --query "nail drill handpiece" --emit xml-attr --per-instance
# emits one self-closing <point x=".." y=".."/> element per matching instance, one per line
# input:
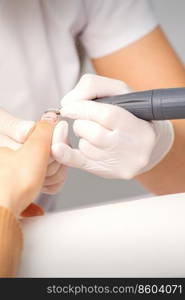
<point x="159" y="104"/>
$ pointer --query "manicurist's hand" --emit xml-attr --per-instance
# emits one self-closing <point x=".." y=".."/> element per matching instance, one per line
<point x="22" y="171"/>
<point x="113" y="142"/>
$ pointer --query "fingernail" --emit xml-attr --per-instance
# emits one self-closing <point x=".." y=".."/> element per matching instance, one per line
<point x="50" y="116"/>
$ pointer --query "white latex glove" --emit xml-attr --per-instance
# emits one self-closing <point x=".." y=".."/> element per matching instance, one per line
<point x="113" y="142"/>
<point x="13" y="133"/>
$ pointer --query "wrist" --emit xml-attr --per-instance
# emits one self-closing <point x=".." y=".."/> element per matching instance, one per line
<point x="164" y="140"/>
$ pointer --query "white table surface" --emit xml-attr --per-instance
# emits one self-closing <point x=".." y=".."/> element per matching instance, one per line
<point x="144" y="237"/>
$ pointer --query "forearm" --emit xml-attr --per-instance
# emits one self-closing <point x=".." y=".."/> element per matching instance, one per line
<point x="151" y="63"/>
<point x="146" y="64"/>
<point x="169" y="175"/>
<point x="10" y="243"/>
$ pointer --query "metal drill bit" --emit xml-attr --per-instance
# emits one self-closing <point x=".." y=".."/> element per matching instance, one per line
<point x="55" y="110"/>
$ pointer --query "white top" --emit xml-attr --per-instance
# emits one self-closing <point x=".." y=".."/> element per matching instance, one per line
<point x="39" y="60"/>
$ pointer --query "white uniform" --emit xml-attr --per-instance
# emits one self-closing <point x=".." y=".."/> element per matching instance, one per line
<point x="39" y="61"/>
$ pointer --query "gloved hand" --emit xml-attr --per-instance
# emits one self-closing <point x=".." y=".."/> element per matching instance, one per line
<point x="14" y="132"/>
<point x="113" y="142"/>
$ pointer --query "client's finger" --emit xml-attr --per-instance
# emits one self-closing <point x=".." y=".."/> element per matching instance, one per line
<point x="37" y="146"/>
<point x="34" y="154"/>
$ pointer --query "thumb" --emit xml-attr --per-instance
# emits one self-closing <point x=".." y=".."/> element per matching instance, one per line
<point x="37" y="146"/>
<point x="35" y="152"/>
<point x="15" y="128"/>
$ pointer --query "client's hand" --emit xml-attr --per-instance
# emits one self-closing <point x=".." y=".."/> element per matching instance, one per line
<point x="22" y="172"/>
<point x="56" y="173"/>
<point x="13" y="134"/>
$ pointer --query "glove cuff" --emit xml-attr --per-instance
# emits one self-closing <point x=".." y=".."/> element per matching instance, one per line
<point x="164" y="140"/>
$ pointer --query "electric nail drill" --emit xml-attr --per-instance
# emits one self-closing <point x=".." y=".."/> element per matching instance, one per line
<point x="159" y="104"/>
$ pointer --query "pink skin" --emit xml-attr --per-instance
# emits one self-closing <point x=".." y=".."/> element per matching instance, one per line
<point x="56" y="173"/>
